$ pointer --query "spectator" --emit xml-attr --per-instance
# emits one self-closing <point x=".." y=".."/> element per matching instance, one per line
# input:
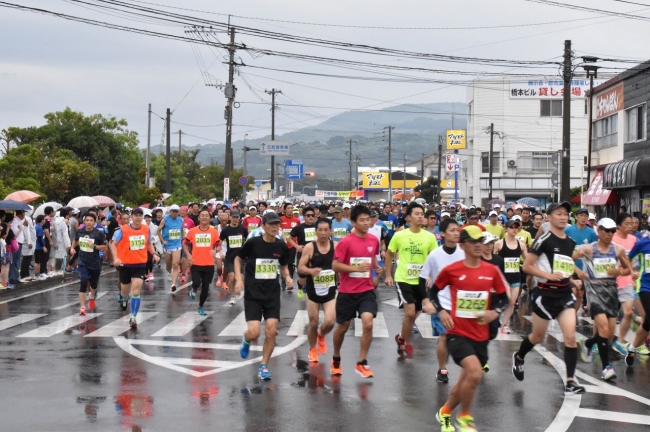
<point x="18" y="226"/>
<point x="61" y="238"/>
<point x="41" y="251"/>
<point x="47" y="236"/>
<point x="27" y="249"/>
<point x="8" y="237"/>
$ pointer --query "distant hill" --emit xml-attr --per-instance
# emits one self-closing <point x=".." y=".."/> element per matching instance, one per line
<point x="323" y="147"/>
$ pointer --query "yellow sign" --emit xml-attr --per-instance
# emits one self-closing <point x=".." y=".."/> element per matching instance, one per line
<point x="379" y="180"/>
<point x="646" y="206"/>
<point x="448" y="184"/>
<point x="456" y="139"/>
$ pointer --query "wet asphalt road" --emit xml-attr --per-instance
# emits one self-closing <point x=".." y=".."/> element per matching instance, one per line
<point x="175" y="373"/>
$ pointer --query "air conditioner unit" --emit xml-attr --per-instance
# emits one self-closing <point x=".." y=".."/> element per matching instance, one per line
<point x="512" y="163"/>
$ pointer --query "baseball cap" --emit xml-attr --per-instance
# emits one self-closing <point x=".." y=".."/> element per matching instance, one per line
<point x="373" y="213"/>
<point x="234" y="213"/>
<point x="493" y="213"/>
<point x="551" y="208"/>
<point x="137" y="210"/>
<point x="519" y="206"/>
<point x="471" y="233"/>
<point x="512" y="222"/>
<point x="346" y="205"/>
<point x="489" y="238"/>
<point x="174" y="207"/>
<point x="75" y="211"/>
<point x="338" y="209"/>
<point x="184" y="208"/>
<point x="270" y="217"/>
<point x="607" y="223"/>
<point x="443" y="214"/>
<point x="296" y="211"/>
<point x="517" y="218"/>
<point x="252" y="208"/>
<point x="496" y="206"/>
<point x="582" y="210"/>
<point x="592" y="216"/>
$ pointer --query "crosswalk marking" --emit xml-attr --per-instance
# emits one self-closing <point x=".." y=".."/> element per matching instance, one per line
<point x="194" y="345"/>
<point x="196" y="362"/>
<point x="17" y="320"/>
<point x="182" y="325"/>
<point x="614" y="416"/>
<point x="379" y="328"/>
<point x="301" y="321"/>
<point x="76" y="302"/>
<point x="423" y="321"/>
<point x="120" y="325"/>
<point x="59" y="326"/>
<point x="237" y="327"/>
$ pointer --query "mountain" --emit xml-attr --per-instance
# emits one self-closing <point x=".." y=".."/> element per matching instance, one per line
<point x="323" y="148"/>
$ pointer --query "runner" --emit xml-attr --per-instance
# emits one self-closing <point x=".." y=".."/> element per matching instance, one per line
<point x="299" y="237"/>
<point x="205" y="242"/>
<point x="511" y="250"/>
<point x="413" y="246"/>
<point x="222" y="222"/>
<point x="625" y="238"/>
<point x="378" y="229"/>
<point x="90" y="242"/>
<point x="353" y="259"/>
<point x="130" y="245"/>
<point x="316" y="263"/>
<point x="189" y="222"/>
<point x="582" y="235"/>
<point x="489" y="257"/>
<point x="233" y="236"/>
<point x="262" y="255"/>
<point x="493" y="226"/>
<point x="602" y="261"/>
<point x="470" y="282"/>
<point x="550" y="261"/>
<point x="288" y="222"/>
<point x="641" y="250"/>
<point x="252" y="221"/>
<point x="340" y="227"/>
<point x="170" y="233"/>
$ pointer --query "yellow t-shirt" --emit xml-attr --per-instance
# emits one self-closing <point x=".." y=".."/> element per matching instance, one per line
<point x="496" y="230"/>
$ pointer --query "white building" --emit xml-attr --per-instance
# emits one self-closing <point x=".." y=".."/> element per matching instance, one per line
<point x="527" y="117"/>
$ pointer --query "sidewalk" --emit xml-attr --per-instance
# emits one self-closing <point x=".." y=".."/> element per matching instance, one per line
<point x="26" y="286"/>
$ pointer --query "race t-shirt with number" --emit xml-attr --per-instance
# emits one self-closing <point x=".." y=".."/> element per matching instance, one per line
<point x="286" y="225"/>
<point x="251" y="223"/>
<point x="413" y="249"/>
<point x="340" y="229"/>
<point x="354" y="250"/>
<point x="88" y="255"/>
<point x="554" y="255"/>
<point x="627" y="244"/>
<point x="204" y="243"/>
<point x="641" y="251"/>
<point x="470" y="295"/>
<point x="263" y="260"/>
<point x="234" y="238"/>
<point x="303" y="233"/>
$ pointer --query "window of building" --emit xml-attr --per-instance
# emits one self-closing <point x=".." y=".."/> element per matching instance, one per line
<point x="529" y="162"/>
<point x="604" y="133"/>
<point x="636" y="124"/>
<point x="543" y="161"/>
<point x="550" y="108"/>
<point x="485" y="162"/>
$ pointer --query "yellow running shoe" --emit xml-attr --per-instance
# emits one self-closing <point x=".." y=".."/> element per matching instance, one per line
<point x="465" y="423"/>
<point x="445" y="422"/>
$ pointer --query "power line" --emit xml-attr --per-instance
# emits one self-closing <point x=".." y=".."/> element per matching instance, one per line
<point x="592" y="10"/>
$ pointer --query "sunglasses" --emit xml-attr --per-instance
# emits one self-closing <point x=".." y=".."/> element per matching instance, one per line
<point x="432" y="218"/>
<point x="611" y="231"/>
<point x="514" y="226"/>
<point x="310" y="215"/>
<point x="473" y="218"/>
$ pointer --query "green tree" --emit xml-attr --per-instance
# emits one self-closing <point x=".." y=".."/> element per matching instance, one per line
<point x="429" y="190"/>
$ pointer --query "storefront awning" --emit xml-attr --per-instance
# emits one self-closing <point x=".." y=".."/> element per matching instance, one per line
<point x="627" y="173"/>
<point x="596" y="195"/>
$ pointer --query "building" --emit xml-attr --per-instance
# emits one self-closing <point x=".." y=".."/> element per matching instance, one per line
<point x="374" y="181"/>
<point x="527" y="118"/>
<point x="620" y="149"/>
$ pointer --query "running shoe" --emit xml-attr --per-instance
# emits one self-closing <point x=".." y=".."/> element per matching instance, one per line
<point x="202" y="312"/>
<point x="442" y="376"/>
<point x="364" y="370"/>
<point x="91" y="303"/>
<point x="594" y="349"/>
<point x="244" y="348"/>
<point x="408" y="351"/>
<point x="506" y="330"/>
<point x="82" y="311"/>
<point x="192" y="294"/>
<point x="465" y="423"/>
<point x="400" y="344"/>
<point x="619" y="348"/>
<point x="232" y="301"/>
<point x="224" y="285"/>
<point x="263" y="373"/>
<point x="182" y="277"/>
<point x="219" y="282"/>
<point x="119" y="298"/>
<point x="641" y="350"/>
<point x="11" y="286"/>
<point x="416" y="329"/>
<point x="608" y="373"/>
<point x="585" y="352"/>
<point x="445" y="422"/>
<point x="124" y="303"/>
<point x="322" y="344"/>
<point x="300" y="293"/>
<point x="313" y="355"/>
<point x="486" y="368"/>
<point x="132" y="322"/>
<point x="174" y="288"/>
<point x="335" y="368"/>
<point x="631" y="354"/>
<point x="573" y="387"/>
<point x="518" y="368"/>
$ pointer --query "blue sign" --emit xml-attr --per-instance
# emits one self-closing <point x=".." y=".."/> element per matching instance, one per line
<point x="243" y="181"/>
<point x="293" y="169"/>
<point x="275" y="148"/>
<point x="258" y="183"/>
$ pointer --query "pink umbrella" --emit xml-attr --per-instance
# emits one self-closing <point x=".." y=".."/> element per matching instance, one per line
<point x="104" y="201"/>
<point x="24" y="196"/>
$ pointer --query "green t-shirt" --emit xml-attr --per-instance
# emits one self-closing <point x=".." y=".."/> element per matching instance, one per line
<point x="495" y="230"/>
<point x="413" y="249"/>
<point x="524" y="237"/>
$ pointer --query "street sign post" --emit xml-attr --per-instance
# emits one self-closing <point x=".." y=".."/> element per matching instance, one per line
<point x="258" y="184"/>
<point x="226" y="188"/>
<point x="274" y="148"/>
<point x="293" y="169"/>
<point x="243" y="180"/>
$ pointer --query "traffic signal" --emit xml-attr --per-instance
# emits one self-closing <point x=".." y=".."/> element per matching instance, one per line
<point x="310" y="174"/>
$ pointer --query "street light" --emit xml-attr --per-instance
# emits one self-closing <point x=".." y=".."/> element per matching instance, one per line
<point x="592" y="72"/>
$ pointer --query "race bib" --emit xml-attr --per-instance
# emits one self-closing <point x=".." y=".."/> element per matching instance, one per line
<point x="266" y="268"/>
<point x="252" y="226"/>
<point x="647" y="263"/>
<point x="389" y="225"/>
<point x="310" y="234"/>
<point x="185" y="231"/>
<point x="86" y="244"/>
<point x="286" y="232"/>
<point x="203" y="240"/>
<point x="136" y="242"/>
<point x="356" y="262"/>
<point x="339" y="233"/>
<point x="174" y="234"/>
<point x="323" y="281"/>
<point x="511" y="265"/>
<point x="235" y="241"/>
<point x="601" y="265"/>
<point x="563" y="264"/>
<point x="469" y="303"/>
<point x="413" y="271"/>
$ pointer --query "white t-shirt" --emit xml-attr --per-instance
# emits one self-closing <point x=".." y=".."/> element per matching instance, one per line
<point x="435" y="262"/>
<point x="376" y="231"/>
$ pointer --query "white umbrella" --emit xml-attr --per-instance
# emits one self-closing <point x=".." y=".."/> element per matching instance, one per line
<point x="40" y="210"/>
<point x="83" y="202"/>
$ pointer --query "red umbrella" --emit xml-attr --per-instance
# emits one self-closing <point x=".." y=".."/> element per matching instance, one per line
<point x="575" y="199"/>
<point x="24" y="196"/>
<point x="145" y="205"/>
<point x="104" y="201"/>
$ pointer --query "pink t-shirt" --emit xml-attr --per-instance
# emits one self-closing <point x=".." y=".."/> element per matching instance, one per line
<point x="188" y="224"/>
<point x="356" y="250"/>
<point x="626" y="244"/>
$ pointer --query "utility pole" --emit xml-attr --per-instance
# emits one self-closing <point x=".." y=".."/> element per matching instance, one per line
<point x="180" y="146"/>
<point x="273" y="92"/>
<point x="390" y="164"/>
<point x="148" y="147"/>
<point x="491" y="160"/>
<point x="356" y="176"/>
<point x="566" y="123"/>
<point x="439" y="165"/>
<point x="350" y="165"/>
<point x="422" y="168"/>
<point x="168" y="171"/>
<point x="229" y="92"/>
<point x="404" y="185"/>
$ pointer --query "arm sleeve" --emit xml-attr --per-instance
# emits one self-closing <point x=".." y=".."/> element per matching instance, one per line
<point x="433" y="296"/>
<point x="501" y="302"/>
<point x="294" y="232"/>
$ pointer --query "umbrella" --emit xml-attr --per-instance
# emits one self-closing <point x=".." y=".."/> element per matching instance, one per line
<point x="528" y="202"/>
<point x="145" y="206"/>
<point x="576" y="199"/>
<point x="83" y="202"/>
<point x="13" y="205"/>
<point x="40" y="210"/>
<point x="496" y="201"/>
<point x="24" y="196"/>
<point x="104" y="201"/>
<point x="166" y="195"/>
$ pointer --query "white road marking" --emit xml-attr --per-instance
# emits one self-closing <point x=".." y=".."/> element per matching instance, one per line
<point x="99" y="295"/>
<point x="59" y="326"/>
<point x="614" y="416"/>
<point x="196" y="362"/>
<point x="379" y="328"/>
<point x="182" y="325"/>
<point x="423" y="321"/>
<point x="301" y="321"/>
<point x="392" y="302"/>
<point x="19" y="319"/>
<point x="120" y="325"/>
<point x="179" y="288"/>
<point x="237" y="327"/>
<point x="183" y="344"/>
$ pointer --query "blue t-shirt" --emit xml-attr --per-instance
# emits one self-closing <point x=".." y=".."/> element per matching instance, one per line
<point x="39" y="236"/>
<point x="581" y="237"/>
<point x="642" y="248"/>
<point x="340" y="229"/>
<point x="172" y="231"/>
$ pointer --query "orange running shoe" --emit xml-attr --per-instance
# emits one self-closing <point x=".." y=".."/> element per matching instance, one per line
<point x="335" y="368"/>
<point x="224" y="286"/>
<point x="322" y="344"/>
<point x="91" y="304"/>
<point x="313" y="355"/>
<point x="364" y="370"/>
<point x="218" y="282"/>
<point x="82" y="311"/>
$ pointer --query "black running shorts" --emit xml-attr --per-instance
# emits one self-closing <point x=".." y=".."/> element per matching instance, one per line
<point x="460" y="348"/>
<point x="549" y="308"/>
<point x="255" y="309"/>
<point x="411" y="293"/>
<point x="128" y="273"/>
<point x="350" y="306"/>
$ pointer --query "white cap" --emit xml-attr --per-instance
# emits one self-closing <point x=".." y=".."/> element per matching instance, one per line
<point x="493" y="213"/>
<point x="516" y="217"/>
<point x="607" y="223"/>
<point x="443" y="214"/>
<point x="487" y="237"/>
<point x="174" y="207"/>
<point x="346" y="205"/>
<point x="252" y="208"/>
<point x="592" y="216"/>
<point x="519" y="206"/>
<point x="496" y="206"/>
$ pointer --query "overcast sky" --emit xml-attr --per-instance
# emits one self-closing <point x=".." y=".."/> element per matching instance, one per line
<point x="48" y="63"/>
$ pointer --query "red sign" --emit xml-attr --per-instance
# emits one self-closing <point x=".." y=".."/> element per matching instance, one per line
<point x="609" y="102"/>
<point x="596" y="195"/>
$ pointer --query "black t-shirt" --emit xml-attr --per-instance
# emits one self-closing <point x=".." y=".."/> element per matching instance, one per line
<point x="554" y="255"/>
<point x="195" y="218"/>
<point x="113" y="224"/>
<point x="46" y="228"/>
<point x="299" y="233"/>
<point x="527" y="224"/>
<point x="234" y="237"/>
<point x="262" y="260"/>
<point x="6" y="229"/>
<point x="88" y="255"/>
<point x="533" y="231"/>
<point x="496" y="261"/>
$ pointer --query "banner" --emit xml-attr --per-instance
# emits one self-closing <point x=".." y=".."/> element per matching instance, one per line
<point x="456" y="139"/>
<point x="609" y="102"/>
<point x="646" y="206"/>
<point x="551" y="89"/>
<point x="375" y="180"/>
<point x="339" y="194"/>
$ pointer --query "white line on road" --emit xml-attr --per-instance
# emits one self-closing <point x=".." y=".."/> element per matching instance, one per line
<point x="614" y="416"/>
<point x="99" y="295"/>
<point x="59" y="326"/>
<point x="237" y="327"/>
<point x="182" y="325"/>
<point x="379" y="328"/>
<point x="301" y="321"/>
<point x="120" y="325"/>
<point x="194" y="345"/>
<point x="17" y="320"/>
